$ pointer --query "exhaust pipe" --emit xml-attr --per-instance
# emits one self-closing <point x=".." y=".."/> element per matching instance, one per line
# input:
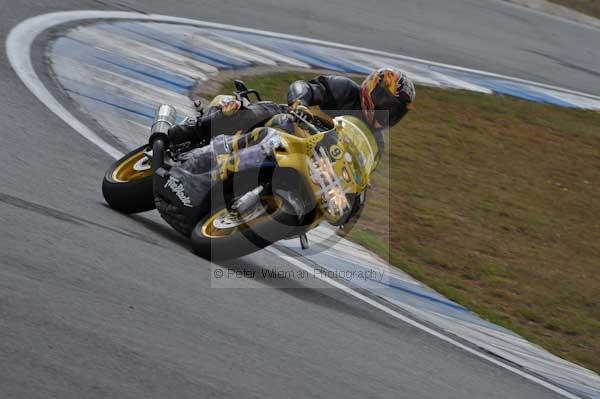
<point x="164" y="119"/>
<point x="247" y="201"/>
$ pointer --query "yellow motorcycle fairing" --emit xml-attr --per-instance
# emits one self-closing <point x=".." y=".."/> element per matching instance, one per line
<point x="335" y="163"/>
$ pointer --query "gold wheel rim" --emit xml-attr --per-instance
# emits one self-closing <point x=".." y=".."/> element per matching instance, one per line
<point x="271" y="203"/>
<point x="125" y="171"/>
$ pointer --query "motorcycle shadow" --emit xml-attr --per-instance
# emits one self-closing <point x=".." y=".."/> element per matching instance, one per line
<point x="259" y="266"/>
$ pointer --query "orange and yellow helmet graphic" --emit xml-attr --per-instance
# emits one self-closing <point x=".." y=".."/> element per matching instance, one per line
<point x="393" y="80"/>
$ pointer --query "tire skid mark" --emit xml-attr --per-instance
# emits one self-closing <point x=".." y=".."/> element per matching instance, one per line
<point x="68" y="218"/>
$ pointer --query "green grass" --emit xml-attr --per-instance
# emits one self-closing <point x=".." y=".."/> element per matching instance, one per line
<point x="495" y="203"/>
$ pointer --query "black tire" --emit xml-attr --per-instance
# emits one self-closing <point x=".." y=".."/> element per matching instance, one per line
<point x="128" y="196"/>
<point x="279" y="224"/>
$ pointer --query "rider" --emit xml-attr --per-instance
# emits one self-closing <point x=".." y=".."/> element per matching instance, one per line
<point x="381" y="101"/>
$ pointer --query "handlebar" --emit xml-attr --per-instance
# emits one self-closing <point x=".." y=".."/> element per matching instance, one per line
<point x="311" y="127"/>
<point x="246" y="94"/>
<point x="285" y="108"/>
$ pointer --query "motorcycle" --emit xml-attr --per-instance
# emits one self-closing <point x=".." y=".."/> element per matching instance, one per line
<point x="243" y="192"/>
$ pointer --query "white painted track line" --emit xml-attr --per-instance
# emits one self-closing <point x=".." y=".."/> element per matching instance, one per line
<point x="18" y="47"/>
<point x="418" y="325"/>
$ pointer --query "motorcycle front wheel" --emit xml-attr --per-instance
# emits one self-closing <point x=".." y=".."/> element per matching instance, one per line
<point x="222" y="235"/>
<point x="127" y="184"/>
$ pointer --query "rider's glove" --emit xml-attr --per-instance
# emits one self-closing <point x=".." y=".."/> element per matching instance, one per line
<point x="302" y="111"/>
<point x="229" y="105"/>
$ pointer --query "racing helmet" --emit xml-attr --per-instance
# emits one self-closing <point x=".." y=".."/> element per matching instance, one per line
<point x="386" y="89"/>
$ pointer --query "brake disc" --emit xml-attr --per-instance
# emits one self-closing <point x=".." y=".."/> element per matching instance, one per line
<point x="229" y="220"/>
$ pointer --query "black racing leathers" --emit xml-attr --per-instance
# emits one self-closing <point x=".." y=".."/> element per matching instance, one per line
<point x="216" y="123"/>
<point x="335" y="95"/>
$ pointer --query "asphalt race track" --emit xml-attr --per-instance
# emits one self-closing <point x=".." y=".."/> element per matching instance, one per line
<point x="96" y="304"/>
<point x="490" y="35"/>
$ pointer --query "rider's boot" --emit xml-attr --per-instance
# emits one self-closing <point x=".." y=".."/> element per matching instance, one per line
<point x="193" y="133"/>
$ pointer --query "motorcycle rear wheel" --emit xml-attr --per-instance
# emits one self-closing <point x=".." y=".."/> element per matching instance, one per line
<point x="127" y="184"/>
<point x="211" y="240"/>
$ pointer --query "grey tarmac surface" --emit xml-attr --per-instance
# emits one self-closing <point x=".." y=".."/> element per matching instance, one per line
<point x="97" y="304"/>
<point x="491" y="35"/>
